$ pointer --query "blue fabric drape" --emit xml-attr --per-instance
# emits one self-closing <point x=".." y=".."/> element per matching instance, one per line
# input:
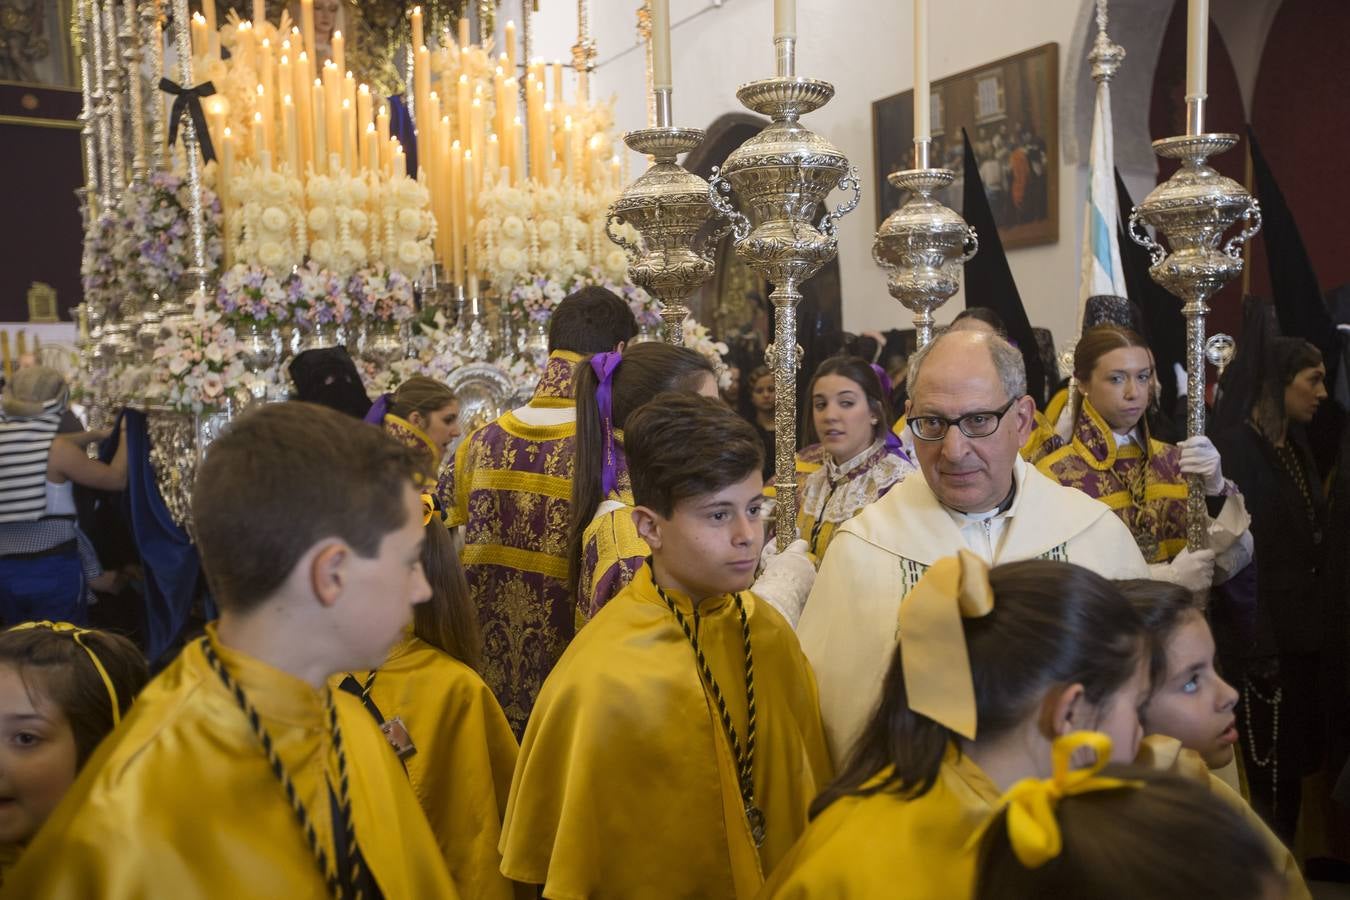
<point x="167" y="553"/>
<point x="401" y="126"/>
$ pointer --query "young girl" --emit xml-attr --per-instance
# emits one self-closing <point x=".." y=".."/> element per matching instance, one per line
<point x="1141" y="834"/>
<point x="1112" y="457"/>
<point x="62" y="689"/>
<point x="444" y="723"/>
<point x="1048" y="648"/>
<point x="762" y="396"/>
<point x="423" y="414"/>
<point x="863" y="459"/>
<point x="1189" y="714"/>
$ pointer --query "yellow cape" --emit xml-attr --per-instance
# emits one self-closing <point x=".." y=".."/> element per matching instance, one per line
<point x="626" y="783"/>
<point x="179" y="802"/>
<point x="887" y="846"/>
<point x="465" y="754"/>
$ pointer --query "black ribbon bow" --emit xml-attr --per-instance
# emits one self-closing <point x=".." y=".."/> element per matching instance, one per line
<point x="190" y="100"/>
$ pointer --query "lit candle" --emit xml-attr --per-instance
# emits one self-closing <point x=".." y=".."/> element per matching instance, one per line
<point x="296" y="39"/>
<point x="470" y="214"/>
<point x="493" y="162"/>
<point x="223" y="189"/>
<point x="785" y="18"/>
<point x="417" y="40"/>
<point x="332" y="101"/>
<point x="427" y="139"/>
<point x="284" y="82"/>
<point x="307" y="29"/>
<point x="921" y="101"/>
<point x="382" y="129"/>
<point x="661" y="45"/>
<point x="216" y="111"/>
<point x="400" y="162"/>
<point x="569" y="150"/>
<point x="372" y="153"/>
<point x="462" y="109"/>
<point x="265" y="116"/>
<point x="510" y="39"/>
<point x="463" y="32"/>
<point x="245" y="45"/>
<point x="518" y="157"/>
<point x="1197" y="49"/>
<point x="303" y="94"/>
<point x="267" y="75"/>
<point x="557" y="83"/>
<point x="445" y="230"/>
<point x="320" y="128"/>
<point x="339" y="51"/>
<point x="349" y="89"/>
<point x="259" y="139"/>
<point x="476" y="138"/>
<point x="200" y="44"/>
<point x="457" y="210"/>
<point x="212" y="38"/>
<point x="421" y="78"/>
<point x="290" y="134"/>
<point x="363" y="107"/>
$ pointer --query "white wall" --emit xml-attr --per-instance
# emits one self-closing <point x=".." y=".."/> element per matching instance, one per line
<point x="864" y="48"/>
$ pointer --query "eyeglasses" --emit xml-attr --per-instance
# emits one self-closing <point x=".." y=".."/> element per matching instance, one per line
<point x="972" y="424"/>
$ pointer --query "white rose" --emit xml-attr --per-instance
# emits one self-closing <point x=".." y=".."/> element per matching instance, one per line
<point x="549" y="231"/>
<point x="273" y="185"/>
<point x="320" y="219"/>
<point x="409" y="253"/>
<point x="513" y="228"/>
<point x="549" y="260"/>
<point x="355" y="249"/>
<point x="510" y="259"/>
<point x="177" y="365"/>
<point x="409" y="221"/>
<point x="213" y="352"/>
<point x="212" y="384"/>
<point x="358" y="221"/>
<point x="357" y="193"/>
<point x="274" y="219"/>
<point x="616" y="262"/>
<point x="409" y="193"/>
<point x="271" y="254"/>
<point x="580" y="260"/>
<point x="321" y="250"/>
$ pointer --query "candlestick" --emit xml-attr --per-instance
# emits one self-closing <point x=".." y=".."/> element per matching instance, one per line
<point x="661" y="77"/>
<point x="922" y="131"/>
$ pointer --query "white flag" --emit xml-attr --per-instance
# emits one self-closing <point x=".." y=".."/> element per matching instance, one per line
<point x="1101" y="269"/>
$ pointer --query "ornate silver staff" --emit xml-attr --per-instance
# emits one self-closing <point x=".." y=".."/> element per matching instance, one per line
<point x="782" y="175"/>
<point x="1194" y="209"/>
<point x="199" y="272"/>
<point x="113" y="78"/>
<point x="132" y="54"/>
<point x="668" y="205"/>
<point x="89" y="12"/>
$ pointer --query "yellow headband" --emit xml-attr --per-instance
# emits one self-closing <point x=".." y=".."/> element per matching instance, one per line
<point x="938" y="681"/>
<point x="1033" y="823"/>
<point x="78" y="633"/>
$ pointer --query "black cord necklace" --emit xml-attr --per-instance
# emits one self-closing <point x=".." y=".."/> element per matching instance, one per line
<point x="745" y="756"/>
<point x="336" y="885"/>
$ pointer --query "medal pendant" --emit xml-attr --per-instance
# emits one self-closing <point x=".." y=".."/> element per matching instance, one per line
<point x="396" y="733"/>
<point x="756" y="819"/>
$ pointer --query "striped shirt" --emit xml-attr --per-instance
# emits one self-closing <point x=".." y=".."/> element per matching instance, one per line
<point x="24" y="446"/>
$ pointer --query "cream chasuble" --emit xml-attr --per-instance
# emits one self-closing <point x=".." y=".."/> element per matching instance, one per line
<point x="847" y="630"/>
<point x="179" y="801"/>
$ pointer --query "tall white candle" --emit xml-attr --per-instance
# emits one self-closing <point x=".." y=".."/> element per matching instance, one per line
<point x="1197" y="48"/>
<point x="784" y="18"/>
<point x="922" y="128"/>
<point x="661" y="78"/>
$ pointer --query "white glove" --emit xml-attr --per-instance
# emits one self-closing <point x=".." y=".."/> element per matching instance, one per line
<point x="1193" y="570"/>
<point x="1200" y="457"/>
<point x="1234" y="559"/>
<point x="785" y="579"/>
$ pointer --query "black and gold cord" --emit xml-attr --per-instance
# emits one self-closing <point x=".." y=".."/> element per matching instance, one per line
<point x="745" y="755"/>
<point x="336" y="887"/>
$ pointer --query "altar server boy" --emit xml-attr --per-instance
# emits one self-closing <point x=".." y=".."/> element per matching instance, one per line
<point x="676" y="746"/>
<point x="238" y="772"/>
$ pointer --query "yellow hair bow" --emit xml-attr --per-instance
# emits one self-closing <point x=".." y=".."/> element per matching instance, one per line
<point x="77" y="633"/>
<point x="1033" y="823"/>
<point x="938" y="681"/>
<point x="428" y="509"/>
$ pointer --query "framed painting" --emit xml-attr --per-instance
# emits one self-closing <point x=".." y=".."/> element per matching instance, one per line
<point x="1010" y="110"/>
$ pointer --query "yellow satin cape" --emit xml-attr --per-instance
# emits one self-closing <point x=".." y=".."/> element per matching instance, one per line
<point x="887" y="846"/>
<point x="461" y="772"/>
<point x="179" y="801"/>
<point x="626" y="783"/>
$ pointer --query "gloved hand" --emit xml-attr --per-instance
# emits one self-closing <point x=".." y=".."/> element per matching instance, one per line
<point x="785" y="578"/>
<point x="1193" y="570"/>
<point x="1200" y="457"/>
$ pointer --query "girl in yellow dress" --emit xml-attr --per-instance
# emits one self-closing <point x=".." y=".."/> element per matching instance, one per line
<point x="422" y="414"/>
<point x="444" y="723"/>
<point x="1132" y="833"/>
<point x="992" y="665"/>
<point x="62" y="689"/>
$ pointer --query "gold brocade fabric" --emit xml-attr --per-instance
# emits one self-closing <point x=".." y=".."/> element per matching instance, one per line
<point x="833" y="494"/>
<point x="1165" y="754"/>
<point x="888" y="846"/>
<point x="409" y="435"/>
<point x="465" y="754"/>
<point x="179" y="802"/>
<point x="612" y="552"/>
<point x="626" y="784"/>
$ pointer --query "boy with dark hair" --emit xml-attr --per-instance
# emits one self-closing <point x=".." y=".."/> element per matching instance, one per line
<point x="676" y="746"/>
<point x="511" y="490"/>
<point x="238" y="772"/>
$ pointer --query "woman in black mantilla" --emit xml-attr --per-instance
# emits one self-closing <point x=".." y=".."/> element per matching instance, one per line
<point x="1274" y="653"/>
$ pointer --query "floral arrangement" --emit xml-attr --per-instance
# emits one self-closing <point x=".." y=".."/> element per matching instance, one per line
<point x="200" y="365"/>
<point x="404" y="240"/>
<point x="698" y="337"/>
<point x="338" y="222"/>
<point x="268" y="230"/>
<point x="97" y="273"/>
<point x="382" y="294"/>
<point x="253" y="292"/>
<point x="317" y="297"/>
